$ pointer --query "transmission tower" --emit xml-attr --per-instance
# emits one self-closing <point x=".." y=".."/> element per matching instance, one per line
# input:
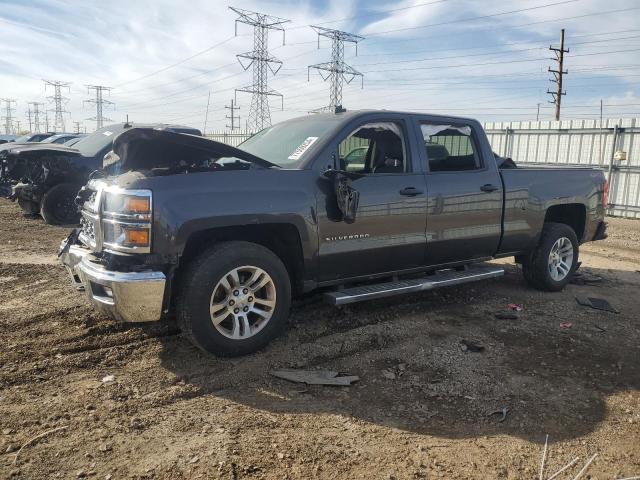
<point x="77" y="127"/>
<point x="29" y="117"/>
<point x="59" y="102"/>
<point x="262" y="61"/>
<point x="336" y="70"/>
<point x="8" y="115"/>
<point x="557" y="74"/>
<point x="99" y="102"/>
<point x="232" y="116"/>
<point x="34" y="116"/>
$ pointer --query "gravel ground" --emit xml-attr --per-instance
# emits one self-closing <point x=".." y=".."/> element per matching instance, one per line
<point x="421" y="409"/>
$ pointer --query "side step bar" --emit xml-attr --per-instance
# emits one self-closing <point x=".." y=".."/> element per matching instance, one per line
<point x="442" y="278"/>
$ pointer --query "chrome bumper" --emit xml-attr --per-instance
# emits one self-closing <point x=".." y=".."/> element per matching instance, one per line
<point x="125" y="296"/>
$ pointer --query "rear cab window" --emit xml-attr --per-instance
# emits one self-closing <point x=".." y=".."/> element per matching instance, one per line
<point x="450" y="148"/>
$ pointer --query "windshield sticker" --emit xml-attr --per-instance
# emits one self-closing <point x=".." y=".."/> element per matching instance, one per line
<point x="304" y="146"/>
<point x="107" y="133"/>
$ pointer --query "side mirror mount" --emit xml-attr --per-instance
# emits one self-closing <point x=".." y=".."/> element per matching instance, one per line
<point x="347" y="197"/>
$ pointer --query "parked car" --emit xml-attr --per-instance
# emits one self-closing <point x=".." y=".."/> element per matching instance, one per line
<point x="224" y="237"/>
<point x="7" y="139"/>
<point x="25" y="140"/>
<point x="45" y="177"/>
<point x="61" y="138"/>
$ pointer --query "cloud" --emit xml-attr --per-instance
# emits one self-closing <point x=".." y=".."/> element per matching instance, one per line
<point x="474" y="64"/>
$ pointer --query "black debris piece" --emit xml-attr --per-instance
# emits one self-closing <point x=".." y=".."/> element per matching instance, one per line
<point x="471" y="347"/>
<point x="596" y="303"/>
<point x="506" y="316"/>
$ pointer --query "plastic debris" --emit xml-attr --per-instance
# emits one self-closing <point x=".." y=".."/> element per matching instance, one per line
<point x="566" y="326"/>
<point x="108" y="379"/>
<point x="516" y="307"/>
<point x="596" y="303"/>
<point x="315" y="377"/>
<point x="506" y="316"/>
<point x="583" y="278"/>
<point x="471" y="347"/>
<point x="502" y="412"/>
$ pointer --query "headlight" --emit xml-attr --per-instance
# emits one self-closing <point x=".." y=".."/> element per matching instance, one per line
<point x="126" y="220"/>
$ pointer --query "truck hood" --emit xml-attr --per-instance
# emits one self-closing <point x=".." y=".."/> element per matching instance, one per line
<point x="148" y="148"/>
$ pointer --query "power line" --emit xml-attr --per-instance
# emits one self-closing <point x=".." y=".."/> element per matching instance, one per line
<point x="337" y="71"/>
<point x="180" y="62"/>
<point x="470" y="19"/>
<point x="261" y="61"/>
<point x="99" y="102"/>
<point x="59" y="102"/>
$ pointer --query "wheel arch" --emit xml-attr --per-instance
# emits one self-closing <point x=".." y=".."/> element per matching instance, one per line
<point x="283" y="239"/>
<point x="572" y="214"/>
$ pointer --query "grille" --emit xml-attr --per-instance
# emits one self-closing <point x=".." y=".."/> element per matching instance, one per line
<point x="87" y="228"/>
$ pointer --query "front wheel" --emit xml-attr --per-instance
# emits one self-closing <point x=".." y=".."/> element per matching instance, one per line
<point x="59" y="205"/>
<point x="550" y="266"/>
<point x="234" y="298"/>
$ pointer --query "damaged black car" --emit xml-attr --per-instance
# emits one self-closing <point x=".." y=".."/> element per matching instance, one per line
<point x="45" y="178"/>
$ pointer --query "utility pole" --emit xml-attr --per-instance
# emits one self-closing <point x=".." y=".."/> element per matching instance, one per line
<point x="34" y="113"/>
<point x="206" y="115"/>
<point x="557" y="74"/>
<point x="8" y="114"/>
<point x="99" y="101"/>
<point x="77" y="125"/>
<point x="232" y="115"/>
<point x="59" y="102"/>
<point x="336" y="70"/>
<point x="261" y="60"/>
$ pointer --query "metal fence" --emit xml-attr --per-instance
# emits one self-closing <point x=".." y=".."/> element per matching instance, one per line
<point x="230" y="137"/>
<point x="568" y="143"/>
<point x="579" y="143"/>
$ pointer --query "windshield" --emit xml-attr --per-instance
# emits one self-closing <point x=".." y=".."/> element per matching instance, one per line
<point x="286" y="143"/>
<point x="91" y="145"/>
<point x="23" y="139"/>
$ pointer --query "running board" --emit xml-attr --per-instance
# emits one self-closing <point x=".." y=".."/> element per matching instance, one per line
<point x="442" y="278"/>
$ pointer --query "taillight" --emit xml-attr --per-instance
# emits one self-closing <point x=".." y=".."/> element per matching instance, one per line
<point x="605" y="194"/>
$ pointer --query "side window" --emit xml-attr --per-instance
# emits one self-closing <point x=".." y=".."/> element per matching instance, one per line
<point x="449" y="148"/>
<point x="374" y="148"/>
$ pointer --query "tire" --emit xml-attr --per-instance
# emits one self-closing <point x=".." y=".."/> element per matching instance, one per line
<point x="58" y="205"/>
<point x="28" y="207"/>
<point x="202" y="284"/>
<point x="538" y="268"/>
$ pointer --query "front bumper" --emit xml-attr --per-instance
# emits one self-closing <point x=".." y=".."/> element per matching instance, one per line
<point x="125" y="296"/>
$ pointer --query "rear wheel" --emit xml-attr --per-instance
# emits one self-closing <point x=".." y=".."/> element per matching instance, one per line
<point x="59" y="205"/>
<point x="550" y="266"/>
<point x="234" y="298"/>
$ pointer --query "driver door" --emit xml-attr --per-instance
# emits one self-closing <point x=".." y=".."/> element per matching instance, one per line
<point x="389" y="230"/>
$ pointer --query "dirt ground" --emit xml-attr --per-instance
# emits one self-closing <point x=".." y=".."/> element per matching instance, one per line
<point x="421" y="409"/>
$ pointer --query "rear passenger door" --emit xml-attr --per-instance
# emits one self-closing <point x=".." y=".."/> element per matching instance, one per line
<point x="464" y="193"/>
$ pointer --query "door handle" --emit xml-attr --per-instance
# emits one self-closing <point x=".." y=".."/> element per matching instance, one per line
<point x="488" y="188"/>
<point x="410" y="192"/>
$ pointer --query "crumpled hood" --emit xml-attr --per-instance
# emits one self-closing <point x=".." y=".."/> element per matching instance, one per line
<point x="147" y="148"/>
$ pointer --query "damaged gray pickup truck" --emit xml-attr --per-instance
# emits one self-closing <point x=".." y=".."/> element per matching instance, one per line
<point x="360" y="205"/>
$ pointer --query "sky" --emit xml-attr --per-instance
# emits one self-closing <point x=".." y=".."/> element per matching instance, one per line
<point x="166" y="60"/>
